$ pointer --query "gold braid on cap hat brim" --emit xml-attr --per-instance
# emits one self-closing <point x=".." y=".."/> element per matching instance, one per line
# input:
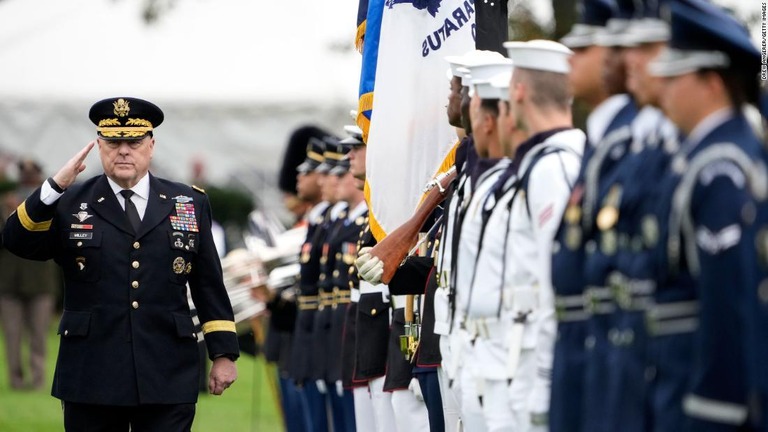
<point x="134" y="128"/>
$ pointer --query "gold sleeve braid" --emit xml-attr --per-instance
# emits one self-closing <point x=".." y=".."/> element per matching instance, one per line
<point x="219" y="325"/>
<point x="28" y="223"/>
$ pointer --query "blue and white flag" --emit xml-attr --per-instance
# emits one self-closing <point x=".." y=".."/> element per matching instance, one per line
<point x="409" y="135"/>
<point x="370" y="50"/>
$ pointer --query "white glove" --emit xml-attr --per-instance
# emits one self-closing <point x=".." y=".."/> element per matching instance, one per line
<point x="339" y="388"/>
<point x="415" y="387"/>
<point x="442" y="312"/>
<point x="321" y="386"/>
<point x="369" y="267"/>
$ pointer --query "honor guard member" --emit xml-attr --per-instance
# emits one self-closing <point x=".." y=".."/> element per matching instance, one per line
<point x="592" y="65"/>
<point x="527" y="207"/>
<point x="129" y="243"/>
<point x="479" y="401"/>
<point x="371" y="327"/>
<point x="757" y="310"/>
<point x="282" y="305"/>
<point x="706" y="212"/>
<point x="363" y="407"/>
<point x="625" y="249"/>
<point x="322" y="325"/>
<point x="345" y="247"/>
<point x="308" y="187"/>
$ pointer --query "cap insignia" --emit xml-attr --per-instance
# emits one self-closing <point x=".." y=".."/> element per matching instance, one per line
<point x="121" y="107"/>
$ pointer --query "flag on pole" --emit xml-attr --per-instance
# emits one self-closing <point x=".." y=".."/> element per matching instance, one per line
<point x="362" y="15"/>
<point x="409" y="136"/>
<point x="370" y="50"/>
<point x="492" y="25"/>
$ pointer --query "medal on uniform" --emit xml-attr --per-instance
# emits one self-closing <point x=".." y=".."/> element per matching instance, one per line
<point x="650" y="230"/>
<point x="305" y="249"/>
<point x="350" y="250"/>
<point x="184" y="219"/>
<point x="573" y="236"/>
<point x="609" y="214"/>
<point x="573" y="214"/>
<point x="178" y="265"/>
<point x="608" y="242"/>
<point x="82" y="216"/>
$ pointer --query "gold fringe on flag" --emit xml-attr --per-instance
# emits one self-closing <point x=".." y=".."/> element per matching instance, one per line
<point x="365" y="104"/>
<point x="449" y="160"/>
<point x="360" y="37"/>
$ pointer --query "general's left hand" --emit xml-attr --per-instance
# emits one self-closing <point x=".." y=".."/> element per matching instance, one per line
<point x="223" y="374"/>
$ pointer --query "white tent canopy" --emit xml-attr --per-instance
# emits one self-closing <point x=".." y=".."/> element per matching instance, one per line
<point x="234" y="77"/>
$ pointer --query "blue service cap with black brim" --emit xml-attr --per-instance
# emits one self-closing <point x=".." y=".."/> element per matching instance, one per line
<point x="612" y="35"/>
<point x="705" y="36"/>
<point x="125" y="118"/>
<point x="331" y="155"/>
<point x="315" y="149"/>
<point x="651" y="26"/>
<point x="593" y="17"/>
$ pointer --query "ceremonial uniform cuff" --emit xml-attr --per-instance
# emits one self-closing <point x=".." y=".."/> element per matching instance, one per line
<point x="49" y="194"/>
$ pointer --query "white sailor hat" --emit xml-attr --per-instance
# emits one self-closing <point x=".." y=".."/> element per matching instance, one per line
<point x="542" y="55"/>
<point x="482" y="73"/>
<point x="474" y="57"/>
<point x="500" y="84"/>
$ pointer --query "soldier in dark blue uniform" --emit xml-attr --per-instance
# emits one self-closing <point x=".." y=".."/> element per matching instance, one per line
<point x="698" y="376"/>
<point x="608" y="138"/>
<point x="282" y="305"/>
<point x="323" y="357"/>
<point x="344" y="278"/>
<point x="129" y="244"/>
<point x="313" y="401"/>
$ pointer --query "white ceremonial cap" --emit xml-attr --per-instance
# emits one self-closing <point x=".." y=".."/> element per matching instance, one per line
<point x="353" y="130"/>
<point x="543" y="55"/>
<point x="483" y="71"/>
<point x="472" y="57"/>
<point x="500" y="84"/>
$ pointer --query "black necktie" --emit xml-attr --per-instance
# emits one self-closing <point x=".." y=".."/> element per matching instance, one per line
<point x="130" y="210"/>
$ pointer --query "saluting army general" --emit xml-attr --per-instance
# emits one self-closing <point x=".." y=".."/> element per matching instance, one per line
<point x="129" y="243"/>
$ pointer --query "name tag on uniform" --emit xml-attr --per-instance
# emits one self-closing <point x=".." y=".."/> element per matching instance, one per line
<point x="81" y="235"/>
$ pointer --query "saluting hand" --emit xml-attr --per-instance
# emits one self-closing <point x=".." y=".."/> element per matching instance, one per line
<point x="223" y="374"/>
<point x="68" y="173"/>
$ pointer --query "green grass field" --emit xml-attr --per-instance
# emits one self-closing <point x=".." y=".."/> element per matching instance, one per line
<point x="246" y="406"/>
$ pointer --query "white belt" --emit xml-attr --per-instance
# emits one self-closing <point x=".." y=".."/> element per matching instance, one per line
<point x="673" y="318"/>
<point x="367" y="288"/>
<point x="398" y="301"/>
<point x="485" y="327"/>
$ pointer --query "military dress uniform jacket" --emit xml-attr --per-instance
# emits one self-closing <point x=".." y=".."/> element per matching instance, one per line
<point x="343" y="279"/>
<point x="127" y="335"/>
<point x="301" y="366"/>
<point x="513" y="282"/>
<point x="372" y="326"/>
<point x="704" y="274"/>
